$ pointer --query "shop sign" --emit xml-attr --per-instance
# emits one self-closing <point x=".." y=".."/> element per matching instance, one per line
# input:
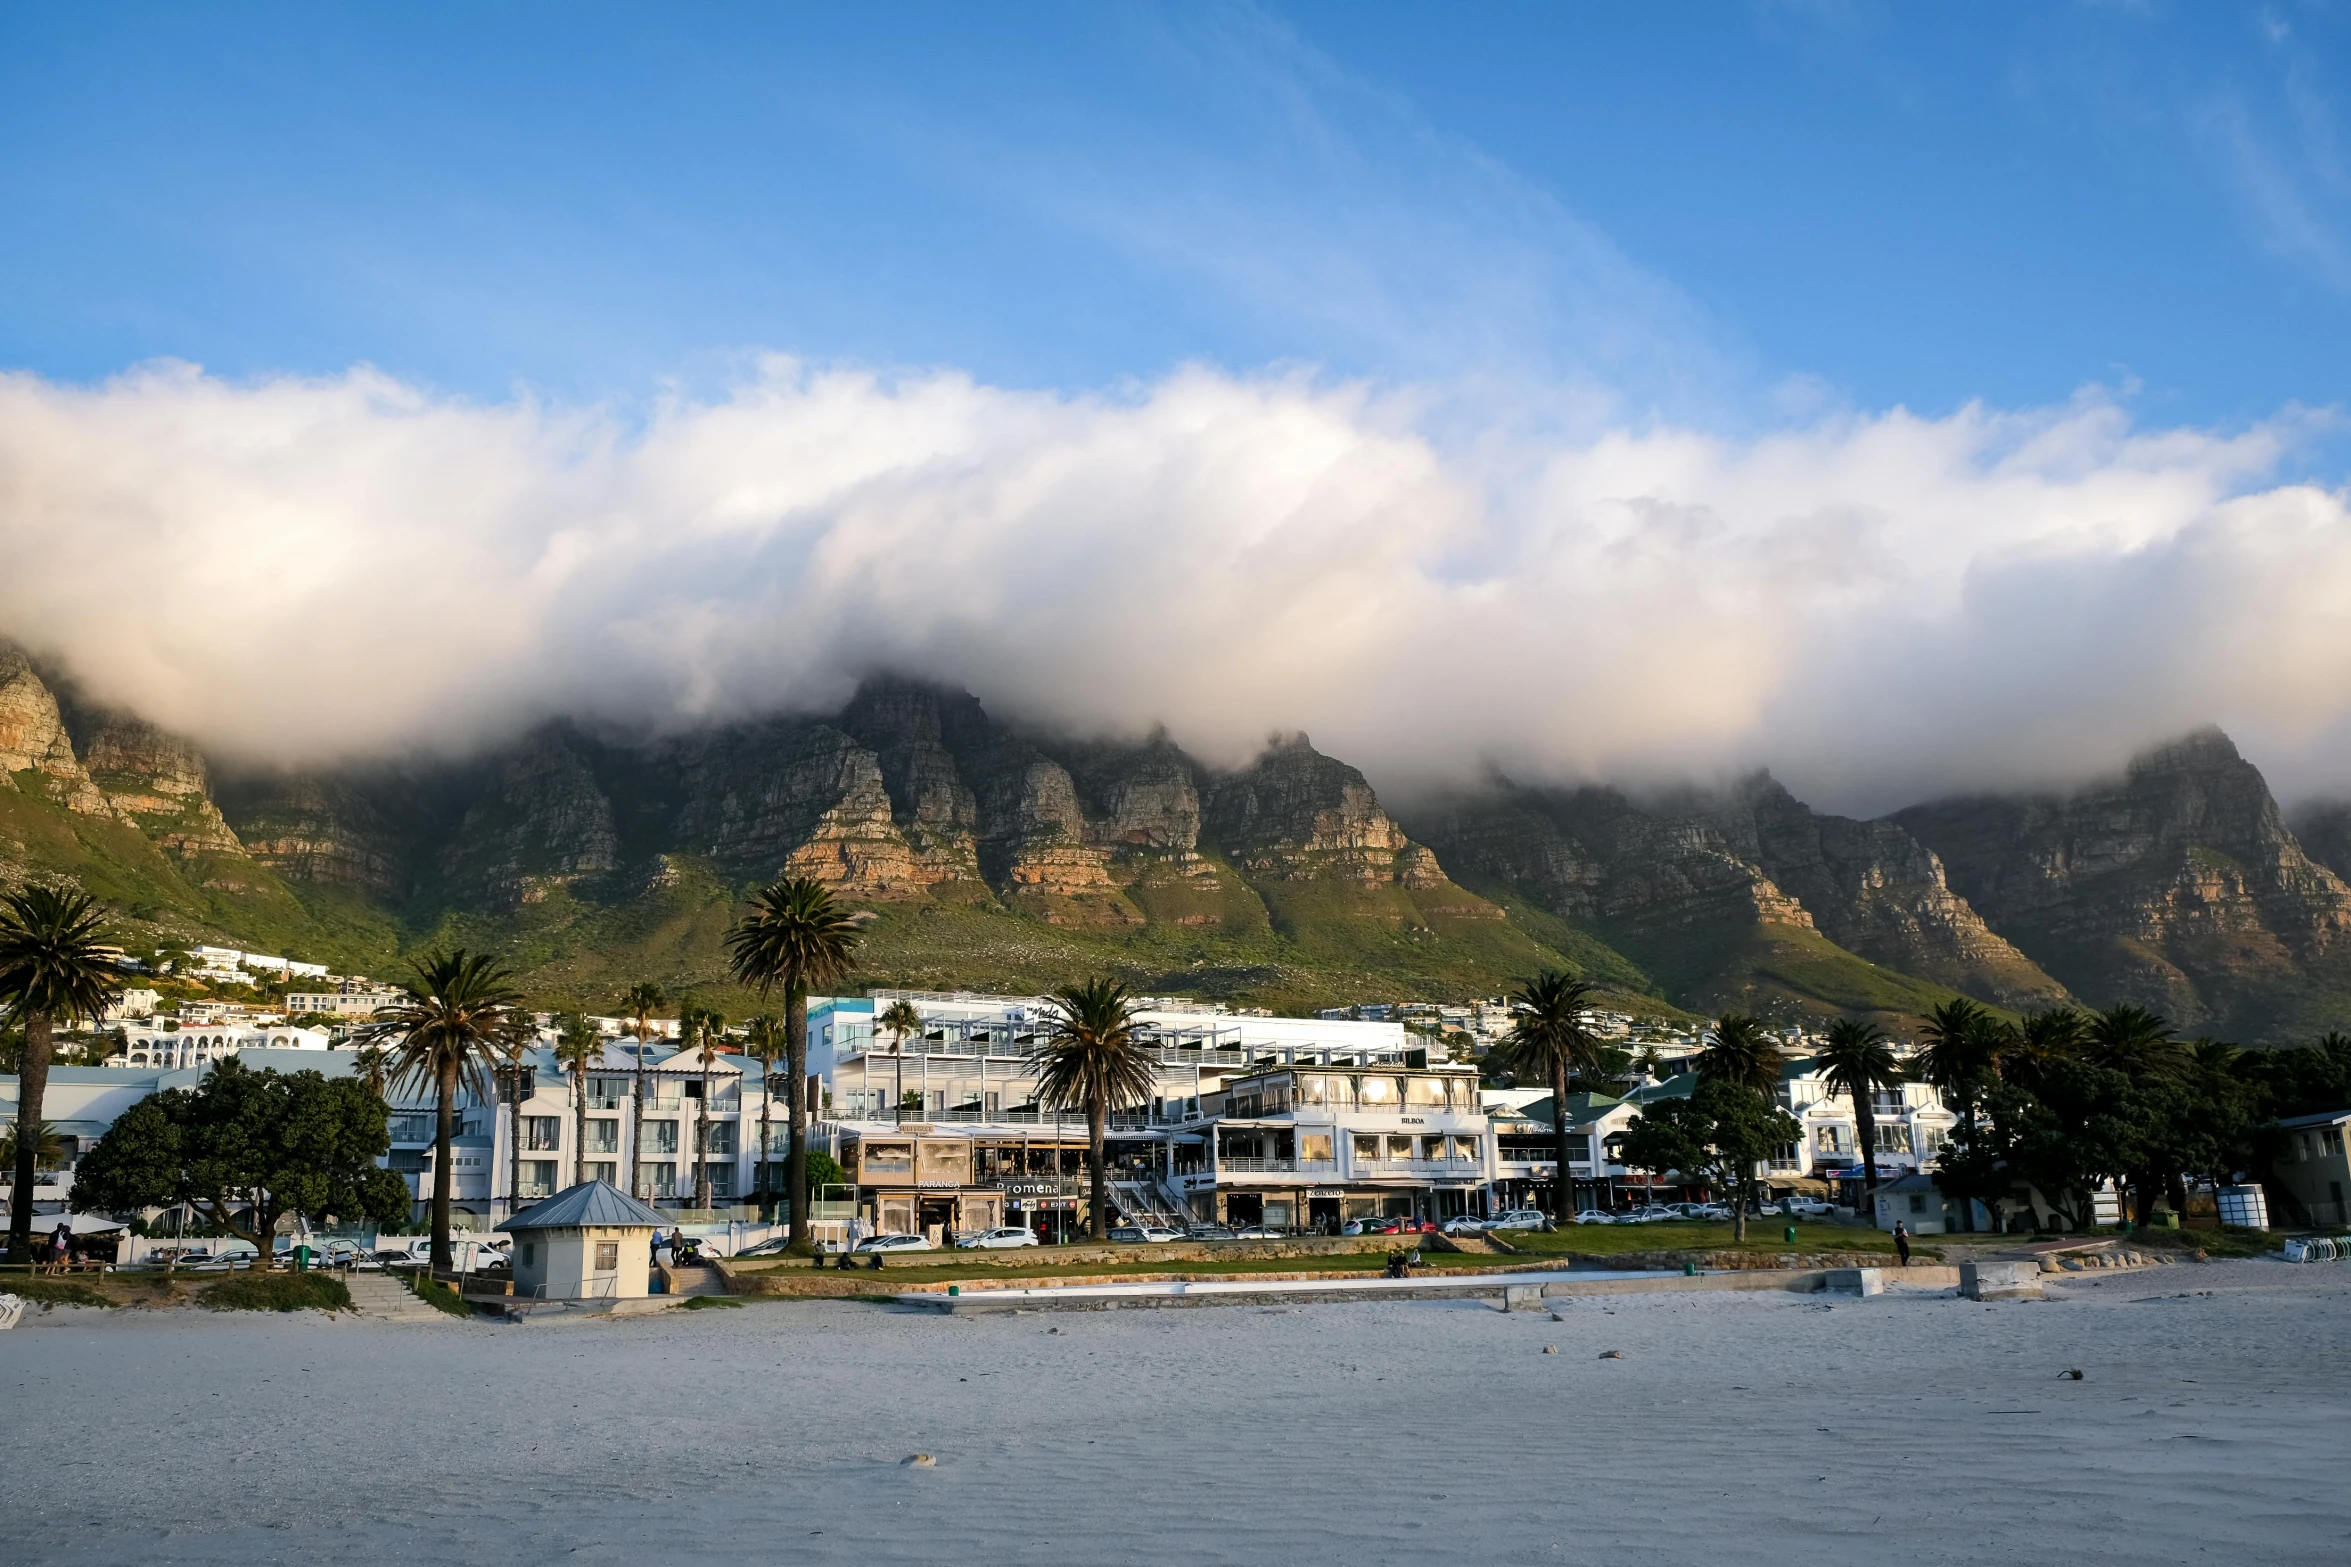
<point x="1038" y="1186"/>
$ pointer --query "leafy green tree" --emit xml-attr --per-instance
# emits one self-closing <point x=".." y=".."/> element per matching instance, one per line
<point x="794" y="937"/>
<point x="2040" y="1039"/>
<point x="1719" y="1134"/>
<point x="1091" y="1057"/>
<point x="577" y="1045"/>
<point x="1551" y="1041"/>
<point x="54" y="967"/>
<point x="451" y="1033"/>
<point x="2133" y="1041"/>
<point x="1858" y="1061"/>
<point x="824" y="1170"/>
<point x="246" y="1148"/>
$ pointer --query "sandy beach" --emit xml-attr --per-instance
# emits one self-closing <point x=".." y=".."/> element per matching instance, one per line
<point x="2210" y="1425"/>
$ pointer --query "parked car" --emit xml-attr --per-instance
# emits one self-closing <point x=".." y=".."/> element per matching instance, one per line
<point x="1145" y="1234"/>
<point x="996" y="1240"/>
<point x="1766" y="1210"/>
<point x="895" y="1243"/>
<point x="1810" y="1207"/>
<point x="1703" y="1210"/>
<point x="1522" y="1219"/>
<point x="775" y="1246"/>
<point x="1210" y="1232"/>
<point x="1372" y="1227"/>
<point x="1258" y="1232"/>
<point x="1594" y="1216"/>
<point x="1465" y="1224"/>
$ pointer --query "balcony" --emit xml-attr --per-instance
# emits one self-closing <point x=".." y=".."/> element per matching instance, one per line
<point x="1231" y="1166"/>
<point x="1462" y="1168"/>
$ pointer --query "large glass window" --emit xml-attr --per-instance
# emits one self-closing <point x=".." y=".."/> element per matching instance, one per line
<point x="1400" y="1148"/>
<point x="1424" y="1090"/>
<point x="658" y="1180"/>
<point x="889" y="1159"/>
<point x="1366" y="1146"/>
<point x="538" y="1178"/>
<point x="1321" y="1090"/>
<point x="722" y="1137"/>
<point x="1371" y="1091"/>
<point x="603" y="1137"/>
<point x="661" y="1137"/>
<point x="608" y="1256"/>
<point x="1315" y="1147"/>
<point x="542" y="1133"/>
<point x="603" y="1170"/>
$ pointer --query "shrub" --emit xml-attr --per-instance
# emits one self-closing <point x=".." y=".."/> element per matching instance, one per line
<point x="709" y="1303"/>
<point x="434" y="1293"/>
<point x="277" y="1292"/>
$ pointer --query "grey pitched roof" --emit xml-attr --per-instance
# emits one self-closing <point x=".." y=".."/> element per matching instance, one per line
<point x="591" y="1203"/>
<point x="2323" y="1118"/>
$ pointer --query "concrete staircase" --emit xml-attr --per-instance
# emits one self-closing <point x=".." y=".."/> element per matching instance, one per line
<point x="382" y="1297"/>
<point x="703" y="1280"/>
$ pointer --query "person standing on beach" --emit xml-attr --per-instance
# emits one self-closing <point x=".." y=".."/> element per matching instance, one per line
<point x="1902" y="1242"/>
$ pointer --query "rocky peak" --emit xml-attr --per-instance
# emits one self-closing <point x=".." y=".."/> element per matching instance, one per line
<point x="1295" y="812"/>
<point x="317" y="828"/>
<point x="159" y="781"/>
<point x="543" y="820"/>
<point x="33" y="738"/>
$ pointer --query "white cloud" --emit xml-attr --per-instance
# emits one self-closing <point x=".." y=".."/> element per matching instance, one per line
<point x="300" y="570"/>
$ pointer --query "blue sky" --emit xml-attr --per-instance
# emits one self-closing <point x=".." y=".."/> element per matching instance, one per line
<point x="1722" y="213"/>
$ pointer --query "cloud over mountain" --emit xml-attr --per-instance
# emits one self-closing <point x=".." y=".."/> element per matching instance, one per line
<point x="1874" y="606"/>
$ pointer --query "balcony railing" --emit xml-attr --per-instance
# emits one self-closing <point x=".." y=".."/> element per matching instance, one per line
<point x="1235" y="1166"/>
<point x="1416" y="1166"/>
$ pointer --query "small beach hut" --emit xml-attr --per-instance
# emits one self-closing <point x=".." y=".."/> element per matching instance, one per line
<point x="592" y="1241"/>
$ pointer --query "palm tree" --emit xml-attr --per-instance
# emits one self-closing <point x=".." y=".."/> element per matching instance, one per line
<point x="521" y="1035"/>
<point x="1550" y="1041"/>
<point x="794" y="936"/>
<point x="1858" y="1061"/>
<point x="371" y="1063"/>
<point x="53" y="968"/>
<point x="1090" y="1057"/>
<point x="2042" y="1038"/>
<point x="452" y="1033"/>
<point x="710" y="1031"/>
<point x="1737" y="1050"/>
<point x="1962" y="1043"/>
<point x="576" y="1050"/>
<point x="2133" y="1041"/>
<point x="48" y="1146"/>
<point x="898" y="1020"/>
<point x="764" y="1042"/>
<point x="640" y="1001"/>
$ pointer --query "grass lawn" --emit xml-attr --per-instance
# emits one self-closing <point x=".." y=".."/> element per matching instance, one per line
<point x="1763" y="1235"/>
<point x="948" y="1270"/>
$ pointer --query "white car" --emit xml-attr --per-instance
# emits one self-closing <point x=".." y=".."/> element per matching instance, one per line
<point x="1594" y="1216"/>
<point x="1258" y="1232"/>
<point x="1810" y="1207"/>
<point x="895" y="1243"/>
<point x="1766" y="1210"/>
<point x="1521" y="1219"/>
<point x="996" y="1240"/>
<point x="1466" y="1224"/>
<point x="1149" y="1234"/>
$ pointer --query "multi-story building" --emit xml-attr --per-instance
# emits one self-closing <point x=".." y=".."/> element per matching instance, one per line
<point x="341" y="1003"/>
<point x="180" y="1049"/>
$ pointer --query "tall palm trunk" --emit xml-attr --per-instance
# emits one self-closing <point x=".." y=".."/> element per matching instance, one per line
<point x="444" y="1173"/>
<point x="579" y="1123"/>
<point x="32" y="1090"/>
<point x="796" y="1130"/>
<point x="637" y="1120"/>
<point x="1865" y="1130"/>
<point x="1097" y="1137"/>
<point x="1563" y="1185"/>
<point x="702" y="1134"/>
<point x="767" y="1174"/>
<point x="513" y="1140"/>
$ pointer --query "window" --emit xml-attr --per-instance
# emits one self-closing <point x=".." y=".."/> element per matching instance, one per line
<point x="542" y="1133"/>
<point x="722" y="1179"/>
<point x="1893" y="1139"/>
<point x="1830" y="1139"/>
<point x="1321" y="1090"/>
<point x="1932" y="1140"/>
<point x="603" y="1170"/>
<point x="1400" y="1148"/>
<point x="1887" y="1102"/>
<point x="1372" y="1092"/>
<point x="661" y="1137"/>
<point x="608" y="1256"/>
<point x="1424" y="1091"/>
<point x="603" y="1137"/>
<point x="537" y="1178"/>
<point x="1918" y="1204"/>
<point x="412" y="1127"/>
<point x="1315" y="1147"/>
<point x="530" y="1254"/>
<point x="1366" y="1147"/>
<point x="889" y="1159"/>
<point x="658" y="1180"/>
<point x="1465" y="1149"/>
<point x="722" y="1137"/>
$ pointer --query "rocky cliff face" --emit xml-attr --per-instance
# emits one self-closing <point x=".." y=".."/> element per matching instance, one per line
<point x="1296" y="814"/>
<point x="543" y="821"/>
<point x="160" y="782"/>
<point x="2178" y="886"/>
<point x="35" y="750"/>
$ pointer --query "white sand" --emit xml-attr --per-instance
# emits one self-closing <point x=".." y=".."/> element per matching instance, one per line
<point x="1737" y="1428"/>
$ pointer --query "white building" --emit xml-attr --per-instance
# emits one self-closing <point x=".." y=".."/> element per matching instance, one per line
<point x="181" y="1049"/>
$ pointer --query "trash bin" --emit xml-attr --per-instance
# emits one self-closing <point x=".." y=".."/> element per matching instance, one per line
<point x="1789" y="1235"/>
<point x="301" y="1259"/>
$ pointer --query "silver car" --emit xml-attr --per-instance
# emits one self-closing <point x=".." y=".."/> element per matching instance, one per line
<point x="996" y="1240"/>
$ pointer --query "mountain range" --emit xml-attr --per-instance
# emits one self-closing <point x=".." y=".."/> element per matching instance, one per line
<point x="986" y="856"/>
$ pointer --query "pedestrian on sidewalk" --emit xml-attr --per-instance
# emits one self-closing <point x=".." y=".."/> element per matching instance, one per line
<point x="1902" y="1242"/>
